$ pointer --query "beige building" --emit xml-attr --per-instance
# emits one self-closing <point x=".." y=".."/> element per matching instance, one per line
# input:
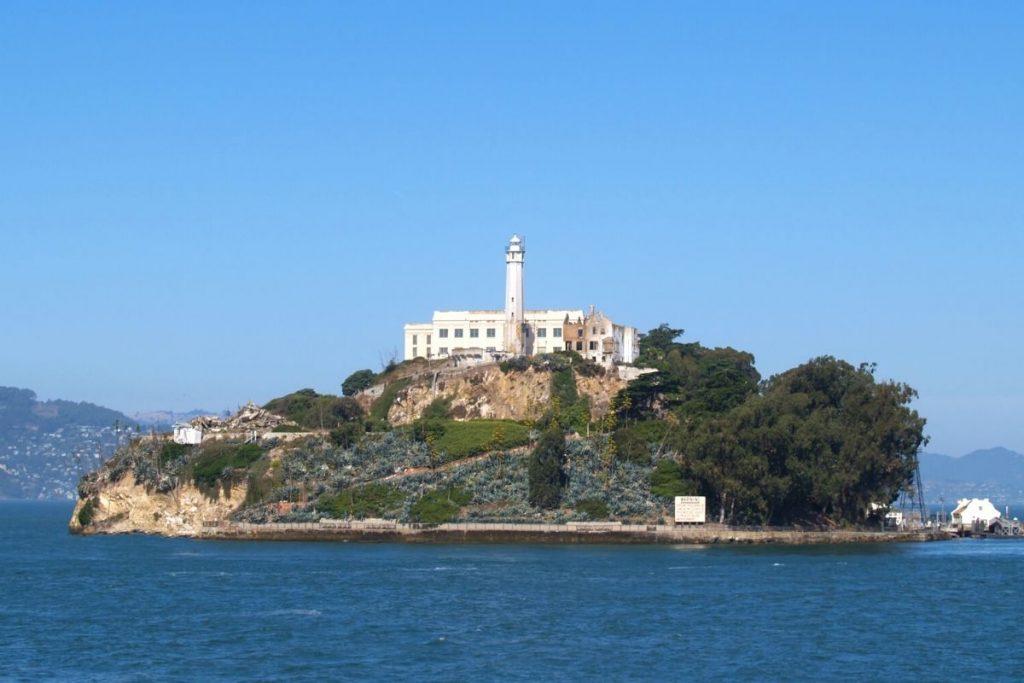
<point x="495" y="334"/>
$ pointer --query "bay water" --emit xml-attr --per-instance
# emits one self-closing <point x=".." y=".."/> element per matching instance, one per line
<point x="138" y="608"/>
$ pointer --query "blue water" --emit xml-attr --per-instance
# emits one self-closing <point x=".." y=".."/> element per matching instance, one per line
<point x="140" y="608"/>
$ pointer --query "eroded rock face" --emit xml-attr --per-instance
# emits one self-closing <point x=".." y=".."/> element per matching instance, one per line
<point x="126" y="506"/>
<point x="489" y="393"/>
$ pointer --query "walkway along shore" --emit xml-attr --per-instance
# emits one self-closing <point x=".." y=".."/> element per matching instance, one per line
<point x="581" y="532"/>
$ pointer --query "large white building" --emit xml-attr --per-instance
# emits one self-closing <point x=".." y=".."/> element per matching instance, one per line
<point x="970" y="512"/>
<point x="516" y="330"/>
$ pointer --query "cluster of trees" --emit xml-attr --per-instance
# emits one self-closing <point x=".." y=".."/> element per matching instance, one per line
<point x="817" y="443"/>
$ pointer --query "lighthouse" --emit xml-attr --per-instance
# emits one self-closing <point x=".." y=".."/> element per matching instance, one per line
<point x="515" y="252"/>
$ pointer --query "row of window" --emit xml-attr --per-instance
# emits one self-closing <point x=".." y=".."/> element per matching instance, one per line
<point x="443" y="351"/>
<point x="473" y="333"/>
<point x="491" y="333"/>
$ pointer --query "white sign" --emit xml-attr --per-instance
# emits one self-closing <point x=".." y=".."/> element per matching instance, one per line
<point x="690" y="509"/>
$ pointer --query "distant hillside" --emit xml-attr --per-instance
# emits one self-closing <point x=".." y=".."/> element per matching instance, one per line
<point x="19" y="409"/>
<point x="995" y="473"/>
<point x="45" y="446"/>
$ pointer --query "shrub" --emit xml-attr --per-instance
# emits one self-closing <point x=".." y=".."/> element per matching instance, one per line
<point x="380" y="408"/>
<point x="316" y="411"/>
<point x="218" y="458"/>
<point x="286" y="428"/>
<point x="595" y="508"/>
<point x="465" y="439"/>
<point x="371" y="500"/>
<point x="636" y="442"/>
<point x="667" y="480"/>
<point x="439" y="409"/>
<point x="439" y="506"/>
<point x="545" y="470"/>
<point x="358" y="381"/>
<point x="86" y="514"/>
<point x="171" y="452"/>
<point x="515" y="364"/>
<point x="347" y="435"/>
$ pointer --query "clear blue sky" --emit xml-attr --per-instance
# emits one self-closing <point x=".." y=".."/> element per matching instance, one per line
<point x="206" y="203"/>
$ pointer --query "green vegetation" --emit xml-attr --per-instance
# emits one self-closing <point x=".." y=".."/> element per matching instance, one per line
<point x="568" y="409"/>
<point x="667" y="480"/>
<point x="439" y="506"/>
<point x="451" y="440"/>
<point x="381" y="406"/>
<point x="547" y="477"/>
<point x="635" y="442"/>
<point x="347" y="435"/>
<point x="288" y="429"/>
<point x="815" y="444"/>
<point x="311" y="410"/>
<point x="357" y="381"/>
<point x="439" y="409"/>
<point x="86" y="514"/>
<point x="371" y="500"/>
<point x="218" y="459"/>
<point x="594" y="508"/>
<point x="172" y="452"/>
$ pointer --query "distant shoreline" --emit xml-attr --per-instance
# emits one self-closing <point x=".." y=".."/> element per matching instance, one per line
<point x="383" y="531"/>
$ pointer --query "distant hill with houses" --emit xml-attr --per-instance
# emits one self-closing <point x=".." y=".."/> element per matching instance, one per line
<point x="994" y="473"/>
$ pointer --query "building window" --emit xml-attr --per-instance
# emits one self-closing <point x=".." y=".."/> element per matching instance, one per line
<point x="443" y="333"/>
<point x="443" y="351"/>
<point x="474" y="333"/>
<point x="593" y="330"/>
<point x="414" y="339"/>
<point x="490" y="333"/>
<point x="556" y="332"/>
<point x="579" y="332"/>
<point x="428" y="340"/>
<point x="458" y="334"/>
<point x="414" y="353"/>
<point x="579" y="346"/>
<point x="542" y="332"/>
<point x="491" y="349"/>
<point x="593" y="346"/>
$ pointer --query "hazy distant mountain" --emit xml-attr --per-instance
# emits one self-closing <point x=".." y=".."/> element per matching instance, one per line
<point x="45" y="446"/>
<point x="19" y="409"/>
<point x="995" y="473"/>
<point x="169" y="417"/>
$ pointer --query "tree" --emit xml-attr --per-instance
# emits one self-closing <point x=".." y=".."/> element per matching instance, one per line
<point x="821" y="442"/>
<point x="545" y="469"/>
<point x="358" y="381"/>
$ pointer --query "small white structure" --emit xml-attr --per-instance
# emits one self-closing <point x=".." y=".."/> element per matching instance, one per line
<point x="691" y="509"/>
<point x="187" y="434"/>
<point x="971" y="512"/>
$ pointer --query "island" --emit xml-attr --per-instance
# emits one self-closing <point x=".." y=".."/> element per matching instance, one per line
<point x="548" y="447"/>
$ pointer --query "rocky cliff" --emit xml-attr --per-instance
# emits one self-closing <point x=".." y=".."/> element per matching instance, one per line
<point x="126" y="506"/>
<point x="488" y="393"/>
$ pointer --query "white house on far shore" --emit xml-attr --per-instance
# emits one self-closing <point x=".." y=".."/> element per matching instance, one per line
<point x="974" y="511"/>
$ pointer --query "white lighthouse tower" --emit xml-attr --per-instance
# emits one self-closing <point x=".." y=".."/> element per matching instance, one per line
<point x="515" y="252"/>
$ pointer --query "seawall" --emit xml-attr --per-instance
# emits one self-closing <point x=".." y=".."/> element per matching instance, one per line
<point x="387" y="531"/>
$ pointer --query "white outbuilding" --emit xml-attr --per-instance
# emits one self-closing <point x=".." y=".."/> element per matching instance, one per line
<point x="971" y="512"/>
<point x="188" y="434"/>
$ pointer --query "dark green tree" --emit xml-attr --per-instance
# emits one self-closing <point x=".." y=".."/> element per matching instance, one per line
<point x="546" y="476"/>
<point x="357" y="381"/>
<point x="820" y="443"/>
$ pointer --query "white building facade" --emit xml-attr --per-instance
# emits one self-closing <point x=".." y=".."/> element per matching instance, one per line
<point x="970" y="512"/>
<point x="514" y="331"/>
